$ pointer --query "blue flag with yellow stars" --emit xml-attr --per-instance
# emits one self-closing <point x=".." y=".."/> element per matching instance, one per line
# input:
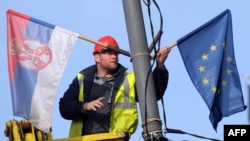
<point x="208" y="55"/>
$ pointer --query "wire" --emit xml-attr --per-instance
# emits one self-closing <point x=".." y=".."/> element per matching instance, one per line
<point x="169" y="130"/>
<point x="148" y="4"/>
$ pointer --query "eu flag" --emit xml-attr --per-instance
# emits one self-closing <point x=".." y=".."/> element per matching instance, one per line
<point x="208" y="55"/>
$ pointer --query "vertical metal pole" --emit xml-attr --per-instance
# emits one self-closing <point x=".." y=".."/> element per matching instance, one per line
<point x="247" y="78"/>
<point x="151" y="122"/>
<point x="248" y="103"/>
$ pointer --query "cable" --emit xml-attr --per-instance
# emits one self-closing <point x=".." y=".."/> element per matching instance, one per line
<point x="169" y="130"/>
<point x="148" y="4"/>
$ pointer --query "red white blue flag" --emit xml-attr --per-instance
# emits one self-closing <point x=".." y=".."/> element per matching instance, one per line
<point x="37" y="55"/>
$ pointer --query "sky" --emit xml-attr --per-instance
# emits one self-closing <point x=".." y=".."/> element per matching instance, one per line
<point x="183" y="106"/>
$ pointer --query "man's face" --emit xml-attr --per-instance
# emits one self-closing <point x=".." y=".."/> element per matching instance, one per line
<point x="107" y="59"/>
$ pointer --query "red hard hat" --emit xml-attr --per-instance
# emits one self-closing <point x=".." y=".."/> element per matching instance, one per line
<point x="105" y="39"/>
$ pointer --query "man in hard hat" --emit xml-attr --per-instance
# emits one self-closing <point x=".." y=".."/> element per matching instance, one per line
<point x="102" y="97"/>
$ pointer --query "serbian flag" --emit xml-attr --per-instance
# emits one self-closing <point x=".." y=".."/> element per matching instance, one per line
<point x="37" y="55"/>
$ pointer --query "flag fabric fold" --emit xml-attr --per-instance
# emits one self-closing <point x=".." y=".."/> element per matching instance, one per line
<point x="37" y="55"/>
<point x="208" y="55"/>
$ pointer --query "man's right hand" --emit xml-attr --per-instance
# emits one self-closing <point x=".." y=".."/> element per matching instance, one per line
<point x="93" y="105"/>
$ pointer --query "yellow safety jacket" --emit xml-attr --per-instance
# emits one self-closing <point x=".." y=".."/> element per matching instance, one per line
<point x="124" y="114"/>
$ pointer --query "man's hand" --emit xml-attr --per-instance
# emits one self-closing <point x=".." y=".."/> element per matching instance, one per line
<point x="93" y="105"/>
<point x="162" y="55"/>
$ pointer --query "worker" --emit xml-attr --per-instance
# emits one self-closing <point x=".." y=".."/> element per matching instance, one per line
<point x="102" y="97"/>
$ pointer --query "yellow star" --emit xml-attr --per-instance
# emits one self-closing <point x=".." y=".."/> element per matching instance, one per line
<point x="218" y="91"/>
<point x="205" y="81"/>
<point x="229" y="71"/>
<point x="224" y="83"/>
<point x="201" y="68"/>
<point x="204" y="57"/>
<point x="224" y="45"/>
<point x="213" y="48"/>
<point x="229" y="59"/>
<point x="214" y="89"/>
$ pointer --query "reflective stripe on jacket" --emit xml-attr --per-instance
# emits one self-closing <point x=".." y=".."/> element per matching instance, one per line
<point x="124" y="114"/>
